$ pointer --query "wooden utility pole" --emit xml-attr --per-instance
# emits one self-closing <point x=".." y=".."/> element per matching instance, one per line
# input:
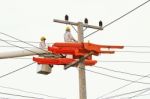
<point x="82" y="76"/>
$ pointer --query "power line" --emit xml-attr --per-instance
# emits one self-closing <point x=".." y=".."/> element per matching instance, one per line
<point x="123" y="86"/>
<point x="16" y="70"/>
<point x="134" y="51"/>
<point x="115" y="77"/>
<point x="14" y="46"/>
<point x="22" y="41"/>
<point x="115" y="96"/>
<point x="120" y="71"/>
<point x="115" y="51"/>
<point x="143" y="95"/>
<point x="119" y="17"/>
<point x="138" y="46"/>
<point x="123" y="61"/>
<point x="126" y="13"/>
<point x="19" y="46"/>
<point x="20" y="95"/>
<point x="27" y="41"/>
<point x="138" y="94"/>
<point x="107" y="61"/>
<point x="32" y="92"/>
<point x="74" y="28"/>
<point x="91" y="34"/>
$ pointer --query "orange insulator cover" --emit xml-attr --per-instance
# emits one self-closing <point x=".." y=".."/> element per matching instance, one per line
<point x="63" y="50"/>
<point x="80" y="49"/>
<point x="61" y="61"/>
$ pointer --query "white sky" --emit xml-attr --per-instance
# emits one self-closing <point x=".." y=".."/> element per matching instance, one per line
<point x="30" y="19"/>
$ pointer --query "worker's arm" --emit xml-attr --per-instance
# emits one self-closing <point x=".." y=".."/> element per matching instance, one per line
<point x="72" y="38"/>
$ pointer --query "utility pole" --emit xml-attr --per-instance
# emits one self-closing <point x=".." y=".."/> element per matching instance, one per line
<point x="82" y="77"/>
<point x="81" y="66"/>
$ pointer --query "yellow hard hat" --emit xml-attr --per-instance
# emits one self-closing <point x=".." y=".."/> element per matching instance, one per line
<point x="67" y="28"/>
<point x="43" y="38"/>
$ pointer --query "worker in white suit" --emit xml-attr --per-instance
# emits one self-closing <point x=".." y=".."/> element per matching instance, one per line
<point x="68" y="36"/>
<point x="43" y="68"/>
<point x="42" y="43"/>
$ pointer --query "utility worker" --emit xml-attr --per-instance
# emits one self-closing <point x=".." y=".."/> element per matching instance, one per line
<point x="43" y="68"/>
<point x="68" y="36"/>
<point x="42" y="43"/>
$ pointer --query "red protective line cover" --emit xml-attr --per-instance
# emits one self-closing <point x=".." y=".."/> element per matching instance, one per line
<point x="61" y="61"/>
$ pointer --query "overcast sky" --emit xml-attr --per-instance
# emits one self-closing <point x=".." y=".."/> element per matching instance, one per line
<point x="28" y="20"/>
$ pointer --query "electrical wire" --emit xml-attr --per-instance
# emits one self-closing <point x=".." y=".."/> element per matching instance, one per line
<point x="120" y="71"/>
<point x="115" y="51"/>
<point x="126" y="13"/>
<point x="122" y="86"/>
<point x="138" y="94"/>
<point x="74" y="28"/>
<point x="91" y="34"/>
<point x="14" y="46"/>
<point x="19" y="47"/>
<point x="16" y="70"/>
<point x="119" y="18"/>
<point x="22" y="41"/>
<point x="138" y="46"/>
<point x="143" y="95"/>
<point x="134" y="52"/>
<point x="85" y="29"/>
<point x="26" y="41"/>
<point x="131" y="81"/>
<point x="32" y="92"/>
<point x="107" y="61"/>
<point x="20" y="95"/>
<point x="118" y="61"/>
<point x="123" y="94"/>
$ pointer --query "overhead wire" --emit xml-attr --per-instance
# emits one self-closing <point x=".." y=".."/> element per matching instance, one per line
<point x="126" y="13"/>
<point x="74" y="28"/>
<point x="22" y="41"/>
<point x="26" y="41"/>
<point x="117" y="89"/>
<point x="131" y="81"/>
<point x="123" y="94"/>
<point x="16" y="70"/>
<point x="143" y="95"/>
<point x="134" y="52"/>
<point x="54" y="97"/>
<point x="115" y="51"/>
<point x="19" y="47"/>
<point x="119" y="18"/>
<point x="20" y="95"/>
<point x="138" y="46"/>
<point x="120" y="71"/>
<point x="106" y="61"/>
<point x="14" y="46"/>
<point x="138" y="94"/>
<point x="122" y="61"/>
